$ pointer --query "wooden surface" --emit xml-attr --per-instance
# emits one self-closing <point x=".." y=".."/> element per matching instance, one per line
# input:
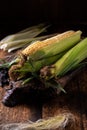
<point x="75" y="102"/>
<point x="16" y="114"/>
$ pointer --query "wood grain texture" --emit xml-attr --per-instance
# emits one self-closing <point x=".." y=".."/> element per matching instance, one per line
<point x="73" y="102"/>
<point x="16" y="114"/>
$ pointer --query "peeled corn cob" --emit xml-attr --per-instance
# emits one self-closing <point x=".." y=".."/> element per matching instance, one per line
<point x="69" y="61"/>
<point x="52" y="46"/>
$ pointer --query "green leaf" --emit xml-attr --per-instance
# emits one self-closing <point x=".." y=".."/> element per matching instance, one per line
<point x="52" y="83"/>
<point x="61" y="88"/>
<point x="27" y="80"/>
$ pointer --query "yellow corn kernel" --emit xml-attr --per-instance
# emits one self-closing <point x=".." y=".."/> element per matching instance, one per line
<point x="40" y="44"/>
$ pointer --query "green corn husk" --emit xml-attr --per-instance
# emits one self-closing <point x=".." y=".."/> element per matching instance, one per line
<point x="57" y="47"/>
<point x="24" y="34"/>
<point x="20" y="39"/>
<point x="69" y="61"/>
<point x="34" y="66"/>
<point x="17" y="44"/>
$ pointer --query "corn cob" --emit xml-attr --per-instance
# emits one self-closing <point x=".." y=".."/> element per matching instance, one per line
<point x="52" y="46"/>
<point x="16" y="44"/>
<point x="19" y="71"/>
<point x="20" y="39"/>
<point x="34" y="66"/>
<point x="68" y="62"/>
<point x="61" y="43"/>
<point x="24" y="34"/>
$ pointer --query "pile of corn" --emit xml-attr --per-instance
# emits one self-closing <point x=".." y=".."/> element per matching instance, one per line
<point x="50" y="58"/>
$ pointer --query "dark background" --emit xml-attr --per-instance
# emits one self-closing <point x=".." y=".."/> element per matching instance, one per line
<point x="18" y="14"/>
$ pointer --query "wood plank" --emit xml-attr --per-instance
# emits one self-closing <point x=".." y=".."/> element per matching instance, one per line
<point x="82" y="81"/>
<point x="16" y="114"/>
<point x="70" y="102"/>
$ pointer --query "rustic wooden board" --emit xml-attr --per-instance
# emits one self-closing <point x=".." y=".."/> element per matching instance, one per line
<point x="16" y="114"/>
<point x="73" y="102"/>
